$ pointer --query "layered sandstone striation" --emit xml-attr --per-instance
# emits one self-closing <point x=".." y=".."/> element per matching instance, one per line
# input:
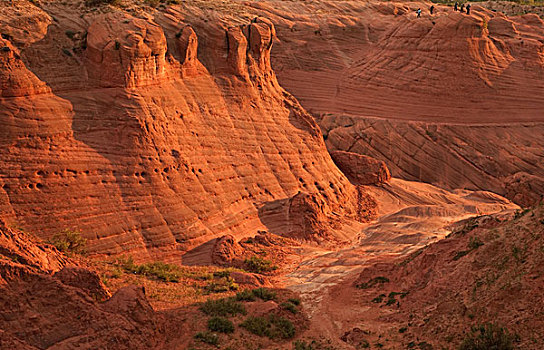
<point x="151" y="133"/>
<point x="449" y="99"/>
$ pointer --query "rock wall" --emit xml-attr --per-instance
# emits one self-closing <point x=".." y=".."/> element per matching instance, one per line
<point x="151" y="134"/>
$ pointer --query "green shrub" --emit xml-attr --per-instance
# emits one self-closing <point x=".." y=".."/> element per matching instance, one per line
<point x="245" y="295"/>
<point x="70" y="33"/>
<point x="208" y="338"/>
<point x="475" y="243"/>
<point x="264" y="294"/>
<point x="159" y="270"/>
<point x="294" y="301"/>
<point x="273" y="327"/>
<point x="220" y="324"/>
<point x="488" y="336"/>
<point x="257" y="264"/>
<point x="223" y="307"/>
<point x="372" y="282"/>
<point x="221" y="285"/>
<point x="460" y="254"/>
<point x="290" y="307"/>
<point x="378" y="299"/>
<point x="69" y="242"/>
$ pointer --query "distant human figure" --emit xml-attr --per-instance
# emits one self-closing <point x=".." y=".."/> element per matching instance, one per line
<point x="418" y="13"/>
<point x="462" y="7"/>
<point x="455" y="6"/>
<point x="431" y="10"/>
<point x="468" y="9"/>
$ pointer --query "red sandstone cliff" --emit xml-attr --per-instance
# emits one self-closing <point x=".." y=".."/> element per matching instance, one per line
<point x="150" y="132"/>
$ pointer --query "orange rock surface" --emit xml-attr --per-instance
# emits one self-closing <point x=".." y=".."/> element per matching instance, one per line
<point x="150" y="133"/>
<point x="448" y="99"/>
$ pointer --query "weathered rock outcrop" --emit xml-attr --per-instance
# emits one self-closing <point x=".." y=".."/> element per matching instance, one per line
<point x="226" y="250"/>
<point x="360" y="169"/>
<point x="154" y="133"/>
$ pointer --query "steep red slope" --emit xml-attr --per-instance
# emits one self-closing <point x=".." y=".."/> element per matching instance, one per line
<point x="111" y="124"/>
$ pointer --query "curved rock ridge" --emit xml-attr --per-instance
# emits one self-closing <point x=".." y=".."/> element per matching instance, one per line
<point x="159" y="134"/>
<point x="505" y="159"/>
<point x="379" y="60"/>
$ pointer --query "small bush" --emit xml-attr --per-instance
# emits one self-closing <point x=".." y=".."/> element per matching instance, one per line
<point x="475" y="243"/>
<point x="460" y="254"/>
<point x="372" y="282"/>
<point x="220" y="324"/>
<point x="69" y="242"/>
<point x="294" y="301"/>
<point x="161" y="271"/>
<point x="264" y="294"/>
<point x="245" y="295"/>
<point x="223" y="307"/>
<point x="70" y="33"/>
<point x="378" y="299"/>
<point x="290" y="307"/>
<point x="488" y="336"/>
<point x="257" y="264"/>
<point x="208" y="338"/>
<point x="221" y="285"/>
<point x="273" y="327"/>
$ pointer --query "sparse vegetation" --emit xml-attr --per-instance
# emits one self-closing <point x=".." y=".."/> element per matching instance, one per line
<point x="69" y="241"/>
<point x="159" y="270"/>
<point x="258" y="264"/>
<point x="273" y="327"/>
<point x="223" y="307"/>
<point x="264" y="294"/>
<point x="245" y="295"/>
<point x="488" y="336"/>
<point x="220" y="324"/>
<point x="208" y="338"/>
<point x="220" y="285"/>
<point x="475" y="243"/>
<point x="294" y="301"/>
<point x="372" y="282"/>
<point x="290" y="307"/>
<point x="313" y="345"/>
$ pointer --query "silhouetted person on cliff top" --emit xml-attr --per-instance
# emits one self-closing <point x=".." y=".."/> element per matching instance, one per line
<point x="418" y="13"/>
<point x="462" y="8"/>
<point x="431" y="10"/>
<point x="455" y="6"/>
<point x="468" y="9"/>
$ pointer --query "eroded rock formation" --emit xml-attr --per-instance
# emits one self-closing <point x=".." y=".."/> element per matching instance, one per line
<point x="131" y="130"/>
<point x="361" y="169"/>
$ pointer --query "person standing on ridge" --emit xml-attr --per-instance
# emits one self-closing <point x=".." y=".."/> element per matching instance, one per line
<point x="431" y="10"/>
<point x="468" y="9"/>
<point x="418" y="13"/>
<point x="455" y="6"/>
<point x="462" y="7"/>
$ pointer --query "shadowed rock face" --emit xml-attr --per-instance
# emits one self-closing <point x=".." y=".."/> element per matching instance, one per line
<point x="111" y="124"/>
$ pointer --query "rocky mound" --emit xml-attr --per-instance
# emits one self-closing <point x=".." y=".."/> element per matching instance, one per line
<point x="360" y="169"/>
<point x="150" y="131"/>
